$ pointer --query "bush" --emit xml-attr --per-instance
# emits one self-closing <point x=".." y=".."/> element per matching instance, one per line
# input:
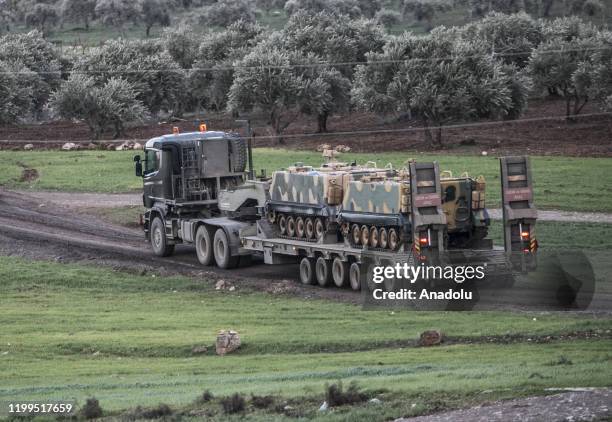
<point x="262" y="402"/>
<point x="226" y="12"/>
<point x="388" y="17"/>
<point x="233" y="404"/>
<point x="205" y="397"/>
<point x="335" y="396"/>
<point x="91" y="409"/>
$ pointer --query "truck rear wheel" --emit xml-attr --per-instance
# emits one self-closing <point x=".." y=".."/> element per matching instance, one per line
<point x="340" y="271"/>
<point x="159" y="243"/>
<point x="355" y="276"/>
<point x="222" y="251"/>
<point x="307" y="271"/>
<point x="204" y="245"/>
<point x="323" y="271"/>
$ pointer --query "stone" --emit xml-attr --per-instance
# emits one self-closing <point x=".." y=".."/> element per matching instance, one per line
<point x="70" y="146"/>
<point x="124" y="146"/>
<point x="137" y="146"/>
<point x="323" y="147"/>
<point x="342" y="148"/>
<point x="324" y="407"/>
<point x="430" y="338"/>
<point x="199" y="350"/>
<point x="224" y="285"/>
<point x="28" y="147"/>
<point x="227" y="342"/>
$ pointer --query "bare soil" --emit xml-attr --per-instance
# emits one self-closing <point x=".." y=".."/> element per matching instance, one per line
<point x="580" y="404"/>
<point x="543" y="131"/>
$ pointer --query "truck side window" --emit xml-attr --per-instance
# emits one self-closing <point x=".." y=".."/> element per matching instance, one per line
<point x="151" y="161"/>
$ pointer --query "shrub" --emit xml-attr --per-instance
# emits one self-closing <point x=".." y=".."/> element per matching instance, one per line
<point x="91" y="409"/>
<point x="233" y="404"/>
<point x="205" y="397"/>
<point x="262" y="402"/>
<point x="388" y="17"/>
<point x="336" y="396"/>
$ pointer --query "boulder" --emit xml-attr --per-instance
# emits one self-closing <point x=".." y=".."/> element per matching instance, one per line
<point x="323" y="147"/>
<point x="124" y="146"/>
<point x="342" y="148"/>
<point x="199" y="350"/>
<point x="431" y="338"/>
<point x="70" y="146"/>
<point x="91" y="145"/>
<point x="224" y="285"/>
<point x="28" y="147"/>
<point x="227" y="342"/>
<point x="137" y="146"/>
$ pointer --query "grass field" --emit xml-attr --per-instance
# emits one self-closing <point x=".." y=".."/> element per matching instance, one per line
<point x="565" y="183"/>
<point x="71" y="332"/>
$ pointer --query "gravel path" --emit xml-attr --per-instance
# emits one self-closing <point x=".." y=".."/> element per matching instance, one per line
<point x="576" y="405"/>
<point x="110" y="200"/>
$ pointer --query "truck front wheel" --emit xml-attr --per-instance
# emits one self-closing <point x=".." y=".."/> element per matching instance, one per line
<point x="223" y="252"/>
<point x="159" y="243"/>
<point x="204" y="245"/>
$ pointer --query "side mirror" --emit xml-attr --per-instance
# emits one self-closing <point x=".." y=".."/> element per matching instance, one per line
<point x="136" y="158"/>
<point x="138" y="166"/>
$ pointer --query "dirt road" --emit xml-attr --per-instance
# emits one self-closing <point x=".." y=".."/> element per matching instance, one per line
<point x="105" y="200"/>
<point x="578" y="405"/>
<point x="34" y="227"/>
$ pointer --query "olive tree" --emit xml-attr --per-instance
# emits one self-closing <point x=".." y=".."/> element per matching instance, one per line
<point x="350" y="8"/>
<point x="117" y="12"/>
<point x="438" y="79"/>
<point x="425" y="10"/>
<point x="78" y="11"/>
<point x="42" y="17"/>
<point x="182" y="44"/>
<point x="226" y="12"/>
<point x="102" y="107"/>
<point x="16" y="91"/>
<point x="154" y="12"/>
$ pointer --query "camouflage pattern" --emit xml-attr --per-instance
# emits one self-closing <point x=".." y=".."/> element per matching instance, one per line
<point x="375" y="197"/>
<point x="311" y="188"/>
<point x="462" y="202"/>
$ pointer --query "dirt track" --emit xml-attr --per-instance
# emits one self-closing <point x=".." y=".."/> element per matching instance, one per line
<point x="38" y="229"/>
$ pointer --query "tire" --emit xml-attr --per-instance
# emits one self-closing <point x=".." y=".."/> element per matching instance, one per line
<point x="323" y="271"/>
<point x="204" y="245"/>
<point x="365" y="235"/>
<point x="290" y="226"/>
<point x="356" y="234"/>
<point x="307" y="271"/>
<point x="239" y="152"/>
<point x="300" y="227"/>
<point x="374" y="237"/>
<point x="310" y="231"/>
<point x="355" y="276"/>
<point x="340" y="270"/>
<point x="319" y="228"/>
<point x="222" y="251"/>
<point x="393" y="239"/>
<point x="383" y="238"/>
<point x="159" y="242"/>
<point x="282" y="224"/>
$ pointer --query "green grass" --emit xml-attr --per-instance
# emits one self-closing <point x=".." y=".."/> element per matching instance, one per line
<point x="73" y="332"/>
<point x="565" y="183"/>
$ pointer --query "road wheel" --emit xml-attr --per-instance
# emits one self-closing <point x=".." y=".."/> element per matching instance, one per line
<point x="310" y="231"/>
<point x="204" y="245"/>
<point x="383" y="238"/>
<point x="356" y="234"/>
<point x="393" y="239"/>
<point x="340" y="271"/>
<point x="272" y="216"/>
<point x="159" y="243"/>
<point x="323" y="271"/>
<point x="222" y="250"/>
<point x="307" y="271"/>
<point x="355" y="276"/>
<point x="300" y="228"/>
<point x="282" y="224"/>
<point x="290" y="226"/>
<point x="365" y="235"/>
<point x="319" y="228"/>
<point x="373" y="237"/>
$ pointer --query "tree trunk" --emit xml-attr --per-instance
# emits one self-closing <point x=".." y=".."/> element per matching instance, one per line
<point x="428" y="135"/>
<point x="148" y="30"/>
<point x="86" y="23"/>
<point x="439" y="136"/>
<point x="276" y="124"/>
<point x="322" y="123"/>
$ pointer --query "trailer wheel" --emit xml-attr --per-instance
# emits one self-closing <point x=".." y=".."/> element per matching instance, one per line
<point x="290" y="226"/>
<point x="223" y="253"/>
<point x="310" y="231"/>
<point x="323" y="271"/>
<point x="300" y="228"/>
<point x="204" y="245"/>
<point x="355" y="276"/>
<point x="340" y="271"/>
<point x="282" y="224"/>
<point x="383" y="238"/>
<point x="307" y="271"/>
<point x="159" y="243"/>
<point x="393" y="239"/>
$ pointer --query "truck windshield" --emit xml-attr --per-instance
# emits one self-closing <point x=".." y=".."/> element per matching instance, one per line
<point x="151" y="161"/>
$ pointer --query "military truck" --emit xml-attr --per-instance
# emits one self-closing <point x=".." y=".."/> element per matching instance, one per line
<point x="197" y="192"/>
